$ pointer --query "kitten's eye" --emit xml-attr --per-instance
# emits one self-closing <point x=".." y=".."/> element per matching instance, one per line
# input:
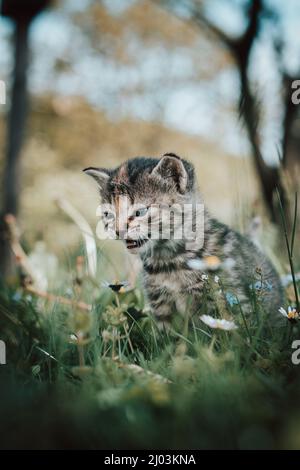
<point x="141" y="212"/>
<point x="108" y="215"/>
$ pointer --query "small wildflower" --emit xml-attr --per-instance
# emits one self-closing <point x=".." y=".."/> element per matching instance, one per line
<point x="204" y="277"/>
<point x="290" y="314"/>
<point x="218" y="324"/>
<point x="116" y="286"/>
<point x="261" y="286"/>
<point x="196" y="263"/>
<point x="114" y="316"/>
<point x="212" y="262"/>
<point x="231" y="299"/>
<point x="217" y="279"/>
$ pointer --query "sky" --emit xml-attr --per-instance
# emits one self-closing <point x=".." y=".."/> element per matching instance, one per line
<point x="186" y="105"/>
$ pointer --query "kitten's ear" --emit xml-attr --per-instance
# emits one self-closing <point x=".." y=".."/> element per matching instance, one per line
<point x="170" y="166"/>
<point x="101" y="175"/>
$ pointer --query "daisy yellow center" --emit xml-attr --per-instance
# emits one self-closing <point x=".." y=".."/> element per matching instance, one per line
<point x="212" y="261"/>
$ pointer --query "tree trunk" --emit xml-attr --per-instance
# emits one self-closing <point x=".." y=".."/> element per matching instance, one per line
<point x="240" y="49"/>
<point x="269" y="177"/>
<point x="15" y="136"/>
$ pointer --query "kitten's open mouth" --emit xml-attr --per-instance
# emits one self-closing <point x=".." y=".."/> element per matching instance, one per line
<point x="131" y="244"/>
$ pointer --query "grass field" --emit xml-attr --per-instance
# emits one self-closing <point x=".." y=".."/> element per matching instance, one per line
<point x="88" y="367"/>
<point x="108" y="378"/>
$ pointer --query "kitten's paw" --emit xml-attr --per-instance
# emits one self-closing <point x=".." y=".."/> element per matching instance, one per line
<point x="164" y="326"/>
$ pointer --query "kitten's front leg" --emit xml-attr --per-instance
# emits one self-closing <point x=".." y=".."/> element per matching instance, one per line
<point x="162" y="306"/>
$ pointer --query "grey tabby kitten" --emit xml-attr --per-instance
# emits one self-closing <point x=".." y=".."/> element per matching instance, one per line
<point x="179" y="273"/>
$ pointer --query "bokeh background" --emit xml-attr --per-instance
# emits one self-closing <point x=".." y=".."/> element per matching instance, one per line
<point x="109" y="80"/>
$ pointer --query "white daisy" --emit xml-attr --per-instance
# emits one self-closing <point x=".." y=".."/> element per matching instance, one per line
<point x="196" y="263"/>
<point x="290" y="314"/>
<point x="217" y="323"/>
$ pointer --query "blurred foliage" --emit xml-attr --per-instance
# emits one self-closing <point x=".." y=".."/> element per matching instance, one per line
<point x="152" y="54"/>
<point x="66" y="135"/>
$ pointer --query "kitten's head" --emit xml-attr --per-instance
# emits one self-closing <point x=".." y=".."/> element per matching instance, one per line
<point x="136" y="194"/>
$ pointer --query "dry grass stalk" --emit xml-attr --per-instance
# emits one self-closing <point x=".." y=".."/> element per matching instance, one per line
<point x="58" y="298"/>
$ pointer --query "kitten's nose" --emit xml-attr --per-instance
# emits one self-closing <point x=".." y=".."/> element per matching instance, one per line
<point x="121" y="234"/>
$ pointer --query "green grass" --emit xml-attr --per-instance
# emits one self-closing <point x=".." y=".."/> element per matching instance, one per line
<point x="206" y="388"/>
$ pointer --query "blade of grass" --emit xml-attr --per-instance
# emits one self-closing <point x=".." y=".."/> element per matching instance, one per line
<point x="87" y="233"/>
<point x="290" y="253"/>
<point x="294" y="223"/>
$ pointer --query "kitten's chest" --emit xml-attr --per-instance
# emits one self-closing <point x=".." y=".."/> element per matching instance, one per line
<point x="176" y="282"/>
<point x="173" y="290"/>
<point x="173" y="281"/>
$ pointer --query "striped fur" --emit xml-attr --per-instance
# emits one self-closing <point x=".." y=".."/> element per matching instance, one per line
<point x="173" y="280"/>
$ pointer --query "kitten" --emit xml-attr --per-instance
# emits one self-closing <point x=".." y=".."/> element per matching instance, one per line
<point x="179" y="271"/>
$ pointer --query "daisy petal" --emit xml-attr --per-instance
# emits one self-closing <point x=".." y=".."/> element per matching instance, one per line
<point x="226" y="325"/>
